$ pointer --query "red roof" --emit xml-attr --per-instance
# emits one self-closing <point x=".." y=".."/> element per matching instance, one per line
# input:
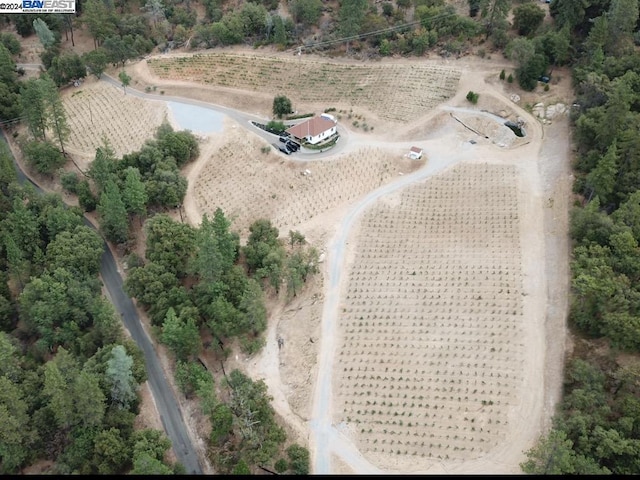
<point x="311" y="128"/>
<point x="416" y="150"/>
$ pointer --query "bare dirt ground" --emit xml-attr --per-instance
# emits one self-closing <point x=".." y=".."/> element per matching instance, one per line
<point x="536" y="182"/>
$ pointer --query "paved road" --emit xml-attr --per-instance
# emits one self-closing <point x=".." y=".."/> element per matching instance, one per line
<point x="167" y="405"/>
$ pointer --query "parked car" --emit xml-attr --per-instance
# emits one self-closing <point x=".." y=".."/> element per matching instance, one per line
<point x="284" y="139"/>
<point x="293" y="146"/>
<point x="284" y="149"/>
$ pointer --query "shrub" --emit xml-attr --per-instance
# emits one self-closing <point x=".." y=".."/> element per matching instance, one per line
<point x="510" y="78"/>
<point x="502" y="74"/>
<point x="472" y="97"/>
<point x="70" y="182"/>
<point x="275" y="127"/>
<point x="281" y="465"/>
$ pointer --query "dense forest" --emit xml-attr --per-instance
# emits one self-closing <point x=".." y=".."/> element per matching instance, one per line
<point x="59" y="336"/>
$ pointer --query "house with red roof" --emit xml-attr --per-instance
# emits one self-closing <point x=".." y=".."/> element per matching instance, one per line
<point x="313" y="130"/>
<point x="415" y="153"/>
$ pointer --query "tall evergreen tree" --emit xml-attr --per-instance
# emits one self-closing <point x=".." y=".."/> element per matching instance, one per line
<point x="55" y="110"/>
<point x="113" y="214"/>
<point x="134" y="193"/>
<point x="34" y="107"/>
<point x="119" y="377"/>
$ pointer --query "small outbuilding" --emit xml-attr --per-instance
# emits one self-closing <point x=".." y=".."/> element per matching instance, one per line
<point x="415" y="153"/>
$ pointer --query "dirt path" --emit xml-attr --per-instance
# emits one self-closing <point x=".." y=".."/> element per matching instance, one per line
<point x="543" y="163"/>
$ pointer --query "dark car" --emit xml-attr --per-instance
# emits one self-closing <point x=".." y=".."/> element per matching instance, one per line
<point x="284" y="149"/>
<point x="284" y="139"/>
<point x="293" y="146"/>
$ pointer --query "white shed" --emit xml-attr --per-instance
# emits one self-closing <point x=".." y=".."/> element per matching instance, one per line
<point x="415" y="153"/>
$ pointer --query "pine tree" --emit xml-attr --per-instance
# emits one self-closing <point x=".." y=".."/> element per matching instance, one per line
<point x="134" y="193"/>
<point x="119" y="377"/>
<point x="56" y="115"/>
<point x="113" y="214"/>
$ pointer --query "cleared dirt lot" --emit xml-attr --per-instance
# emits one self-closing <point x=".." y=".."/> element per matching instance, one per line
<point x="452" y="297"/>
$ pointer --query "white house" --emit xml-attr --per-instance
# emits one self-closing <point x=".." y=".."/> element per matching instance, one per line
<point x="314" y="130"/>
<point x="415" y="153"/>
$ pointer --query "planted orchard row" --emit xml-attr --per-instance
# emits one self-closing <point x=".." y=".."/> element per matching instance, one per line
<point x="103" y="113"/>
<point x="397" y="93"/>
<point x="448" y="333"/>
<point x="241" y="179"/>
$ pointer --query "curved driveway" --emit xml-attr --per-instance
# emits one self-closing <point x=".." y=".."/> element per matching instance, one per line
<point x="242" y="118"/>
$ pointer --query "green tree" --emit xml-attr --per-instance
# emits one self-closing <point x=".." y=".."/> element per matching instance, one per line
<point x="103" y="168"/>
<point x="15" y="433"/>
<point x="113" y="214"/>
<point x="11" y="43"/>
<point x="622" y="19"/>
<point x="182" y="146"/>
<point x="45" y="35"/>
<point x="79" y="251"/>
<point x="169" y="243"/>
<point x="255" y="418"/>
<point x="57" y="117"/>
<point x="8" y="74"/>
<point x="112" y="452"/>
<point x="307" y="12"/>
<point x="96" y="61"/>
<point x="252" y="304"/>
<point x="281" y="106"/>
<point x="601" y="180"/>
<point x="279" y="32"/>
<point x="67" y="67"/>
<point x="134" y="194"/>
<point x="493" y="13"/>
<point x="151" y="442"/>
<point x="217" y="248"/>
<point x="43" y="156"/>
<point x="119" y="50"/>
<point x="551" y="456"/>
<point x="155" y="9"/>
<point x="527" y="18"/>
<point x="263" y="237"/>
<point x="100" y="20"/>
<point x="182" y="337"/>
<point x="299" y="459"/>
<point x="89" y="400"/>
<point x="530" y="63"/>
<point x="145" y="464"/>
<point x="119" y="378"/>
<point x="166" y="187"/>
<point x="125" y="80"/>
<point x="221" y="423"/>
<point x="350" y="17"/>
<point x="147" y="283"/>
<point x="59" y="377"/>
<point x="32" y="100"/>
